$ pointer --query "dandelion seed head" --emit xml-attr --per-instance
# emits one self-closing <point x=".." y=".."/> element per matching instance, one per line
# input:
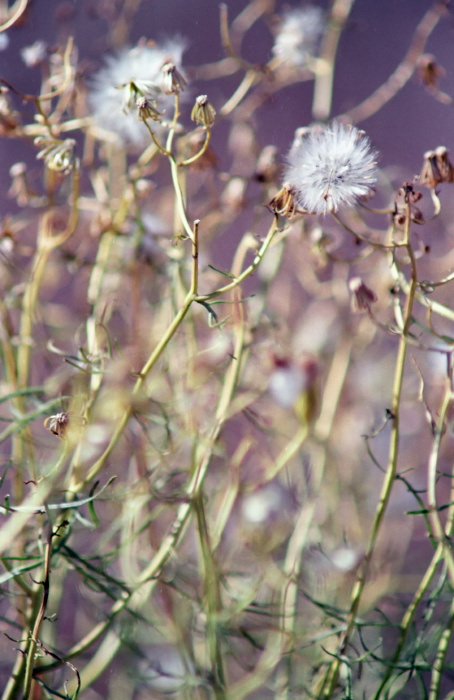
<point x="331" y="167"/>
<point x="130" y="74"/>
<point x="299" y="34"/>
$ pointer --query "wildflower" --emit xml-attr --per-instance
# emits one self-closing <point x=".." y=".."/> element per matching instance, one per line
<point x="330" y="167"/>
<point x="436" y="168"/>
<point x="173" y="81"/>
<point x="131" y="74"/>
<point x="284" y="202"/>
<point x="362" y="297"/>
<point x="203" y="111"/>
<point x="57" y="424"/>
<point x="146" y="110"/>
<point x="299" y="35"/>
<point x="58" y="155"/>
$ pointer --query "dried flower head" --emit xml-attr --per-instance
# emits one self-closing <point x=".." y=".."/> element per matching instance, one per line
<point x="437" y="167"/>
<point x="131" y="74"/>
<point x="146" y="109"/>
<point x="57" y="424"/>
<point x="298" y="35"/>
<point x="58" y="155"/>
<point x="330" y="167"/>
<point x="173" y="81"/>
<point x="284" y="202"/>
<point x="361" y="296"/>
<point x="203" y="111"/>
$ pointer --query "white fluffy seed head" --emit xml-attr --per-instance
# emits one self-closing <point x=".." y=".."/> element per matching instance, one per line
<point x="330" y="167"/>
<point x="298" y="35"/>
<point x="112" y="99"/>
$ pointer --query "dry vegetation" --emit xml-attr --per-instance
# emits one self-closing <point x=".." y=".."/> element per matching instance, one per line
<point x="226" y="398"/>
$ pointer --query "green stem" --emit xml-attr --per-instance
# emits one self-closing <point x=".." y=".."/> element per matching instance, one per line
<point x="331" y="678"/>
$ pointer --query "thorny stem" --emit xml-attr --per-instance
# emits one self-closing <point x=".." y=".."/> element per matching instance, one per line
<point x="330" y="681"/>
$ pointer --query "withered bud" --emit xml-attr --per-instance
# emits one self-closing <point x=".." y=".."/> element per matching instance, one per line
<point x="436" y="167"/>
<point x="173" y="81"/>
<point x="57" y="424"/>
<point x="284" y="203"/>
<point x="267" y="168"/>
<point x="147" y="110"/>
<point x="203" y="111"/>
<point x="58" y="155"/>
<point x="361" y="295"/>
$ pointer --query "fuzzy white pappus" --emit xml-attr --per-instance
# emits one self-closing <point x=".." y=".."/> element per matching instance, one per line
<point x="111" y="99"/>
<point x="330" y="167"/>
<point x="299" y="34"/>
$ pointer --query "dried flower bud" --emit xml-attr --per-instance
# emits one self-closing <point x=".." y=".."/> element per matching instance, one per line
<point x="284" y="203"/>
<point x="362" y="297"/>
<point x="173" y="81"/>
<point x="436" y="168"/>
<point x="58" y="155"/>
<point x="147" y="110"/>
<point x="203" y="111"/>
<point x="57" y="424"/>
